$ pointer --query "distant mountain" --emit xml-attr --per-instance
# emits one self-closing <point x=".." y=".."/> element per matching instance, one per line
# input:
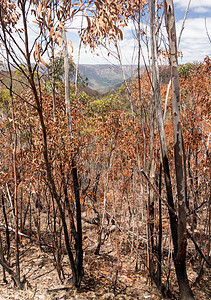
<point x="105" y="77"/>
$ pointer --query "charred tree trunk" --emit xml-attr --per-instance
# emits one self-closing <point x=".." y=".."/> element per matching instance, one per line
<point x="14" y="136"/>
<point x="159" y="270"/>
<point x="48" y="165"/>
<point x="180" y="254"/>
<point x="160" y="123"/>
<point x="151" y="199"/>
<point x="79" y="249"/>
<point x="78" y="237"/>
<point x="7" y="229"/>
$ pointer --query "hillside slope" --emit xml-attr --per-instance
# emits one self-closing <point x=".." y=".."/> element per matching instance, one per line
<point x="103" y="77"/>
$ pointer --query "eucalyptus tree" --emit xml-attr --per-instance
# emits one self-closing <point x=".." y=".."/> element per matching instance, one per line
<point x="9" y="18"/>
<point x="27" y="55"/>
<point x="180" y="250"/>
<point x="178" y="223"/>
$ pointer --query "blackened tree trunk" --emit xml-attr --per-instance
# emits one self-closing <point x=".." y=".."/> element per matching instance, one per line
<point x="48" y="165"/>
<point x="180" y="255"/>
<point x="15" y="200"/>
<point x="79" y="246"/>
<point x="160" y="123"/>
<point x="159" y="270"/>
<point x="179" y="264"/>
<point x="76" y="186"/>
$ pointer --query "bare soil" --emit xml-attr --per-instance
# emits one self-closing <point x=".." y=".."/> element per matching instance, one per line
<point x="104" y="277"/>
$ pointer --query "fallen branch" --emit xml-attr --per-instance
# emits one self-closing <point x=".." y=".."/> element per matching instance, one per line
<point x="12" y="229"/>
<point x="64" y="288"/>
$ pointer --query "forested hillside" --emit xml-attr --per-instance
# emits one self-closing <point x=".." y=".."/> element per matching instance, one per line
<point x="101" y="196"/>
<point x="106" y="77"/>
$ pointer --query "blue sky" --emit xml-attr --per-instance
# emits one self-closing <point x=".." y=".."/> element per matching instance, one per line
<point x="198" y="9"/>
<point x="194" y="44"/>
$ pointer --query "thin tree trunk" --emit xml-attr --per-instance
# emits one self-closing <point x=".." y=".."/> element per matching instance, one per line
<point x="151" y="197"/>
<point x="45" y="146"/>
<point x="78" y="241"/>
<point x="15" y="190"/>
<point x="7" y="268"/>
<point x="2" y="259"/>
<point x="15" y="275"/>
<point x="159" y="269"/>
<point x="53" y="81"/>
<point x="160" y="122"/>
<point x="79" y="249"/>
<point x="6" y="225"/>
<point x="77" y="66"/>
<point x="67" y="81"/>
<point x="180" y="259"/>
<point x="139" y="83"/>
<point x="185" y="175"/>
<point x="53" y="67"/>
<point x="15" y="200"/>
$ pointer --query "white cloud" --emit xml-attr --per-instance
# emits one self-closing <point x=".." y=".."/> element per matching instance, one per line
<point x="201" y="9"/>
<point x="194" y="4"/>
<point x="128" y="48"/>
<point x="100" y="56"/>
<point x="194" y="43"/>
<point x="76" y="23"/>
